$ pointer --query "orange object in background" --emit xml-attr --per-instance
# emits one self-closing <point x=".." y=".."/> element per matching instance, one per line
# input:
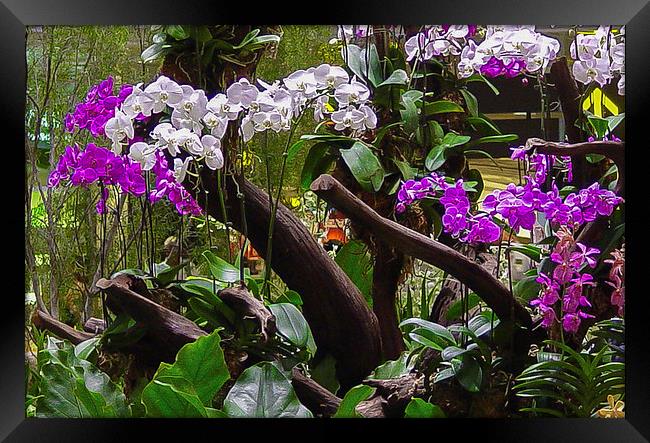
<point x="335" y="228"/>
<point x="250" y="253"/>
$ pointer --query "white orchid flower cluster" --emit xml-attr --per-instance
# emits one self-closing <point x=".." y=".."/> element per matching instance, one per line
<point x="198" y="124"/>
<point x="599" y="57"/>
<point x="436" y="41"/>
<point x="508" y="50"/>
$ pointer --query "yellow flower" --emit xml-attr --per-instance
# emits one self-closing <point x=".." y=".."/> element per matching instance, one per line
<point x="615" y="410"/>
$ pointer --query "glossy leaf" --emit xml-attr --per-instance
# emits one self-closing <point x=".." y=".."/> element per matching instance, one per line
<point x="419" y="408"/>
<point x="364" y="165"/>
<point x="263" y="391"/>
<point x="292" y="325"/>
<point x="347" y="408"/>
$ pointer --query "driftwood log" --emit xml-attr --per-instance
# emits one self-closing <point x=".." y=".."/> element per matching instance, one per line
<point x="412" y="243"/>
<point x="45" y="322"/>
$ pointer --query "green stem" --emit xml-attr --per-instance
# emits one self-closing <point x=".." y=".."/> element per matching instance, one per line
<point x="274" y="208"/>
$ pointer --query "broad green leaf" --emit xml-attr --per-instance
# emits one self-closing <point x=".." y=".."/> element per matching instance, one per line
<point x="200" y="369"/>
<point x="292" y="324"/>
<point x="295" y="149"/>
<point x="371" y="71"/>
<point x="347" y="408"/>
<point x="480" y="78"/>
<point x="599" y="125"/>
<point x="364" y="165"/>
<point x="409" y="114"/>
<point x="483" y="125"/>
<point x="87" y="347"/>
<point x="393" y="368"/>
<point x="471" y="102"/>
<point x="165" y="400"/>
<point x="221" y="269"/>
<point x="290" y="296"/>
<point x="442" y="107"/>
<point x="504" y="138"/>
<point x="435" y="328"/>
<point x="405" y="169"/>
<point x="356" y="262"/>
<point x="262" y="391"/>
<point x="527" y="288"/>
<point x="398" y="77"/>
<point x="317" y="162"/>
<point x="177" y="32"/>
<point x="468" y="372"/>
<point x="419" y="408"/>
<point x="435" y="158"/>
<point x="75" y="388"/>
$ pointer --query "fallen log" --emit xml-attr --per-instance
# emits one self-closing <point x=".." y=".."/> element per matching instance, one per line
<point x="412" y="243"/>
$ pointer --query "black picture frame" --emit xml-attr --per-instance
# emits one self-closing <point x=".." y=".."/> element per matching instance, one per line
<point x="15" y="15"/>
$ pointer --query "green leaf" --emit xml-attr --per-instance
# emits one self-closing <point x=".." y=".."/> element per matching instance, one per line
<point x="483" y="125"/>
<point x="221" y="269"/>
<point x="199" y="369"/>
<point x="599" y="125"/>
<point x="436" y="157"/>
<point x="371" y="71"/>
<point x="471" y="102"/>
<point x="614" y="120"/>
<point x="165" y="400"/>
<point x="527" y="288"/>
<point x="262" y="391"/>
<point x="482" y="79"/>
<point x="393" y="368"/>
<point x="504" y="138"/>
<point x="317" y="162"/>
<point x="442" y="107"/>
<point x="84" y="349"/>
<point x="290" y="296"/>
<point x="292" y="325"/>
<point x="468" y="372"/>
<point x="347" y="408"/>
<point x="456" y="309"/>
<point x="435" y="328"/>
<point x="405" y="169"/>
<point x="355" y="260"/>
<point x="409" y="114"/>
<point x="295" y="149"/>
<point x="177" y="32"/>
<point x="398" y="77"/>
<point x="157" y="50"/>
<point x="364" y="165"/>
<point x="418" y="408"/>
<point x="75" y="388"/>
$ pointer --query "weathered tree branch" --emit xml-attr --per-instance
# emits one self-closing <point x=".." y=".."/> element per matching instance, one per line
<point x="417" y="245"/>
<point x="610" y="149"/>
<point x="340" y="319"/>
<point x="46" y="322"/>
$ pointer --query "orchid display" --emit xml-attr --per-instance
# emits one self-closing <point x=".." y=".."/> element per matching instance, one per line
<point x="599" y="57"/>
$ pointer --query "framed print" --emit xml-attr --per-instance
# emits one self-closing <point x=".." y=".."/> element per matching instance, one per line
<point x="309" y="219"/>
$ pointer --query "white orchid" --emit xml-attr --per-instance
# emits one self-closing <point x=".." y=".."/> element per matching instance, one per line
<point x="370" y="118"/>
<point x="216" y="125"/>
<point x="166" y="138"/>
<point x="348" y="118"/>
<point x="180" y="168"/>
<point x="212" y="152"/>
<point x="242" y="93"/>
<point x="355" y="92"/>
<point x="138" y="102"/>
<point x="144" y="154"/>
<point x="119" y="128"/>
<point x="165" y="92"/>
<point x="588" y="71"/>
<point x="302" y="81"/>
<point x="267" y="120"/>
<point x="189" y="112"/>
<point x="220" y="106"/>
<point x="330" y="76"/>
